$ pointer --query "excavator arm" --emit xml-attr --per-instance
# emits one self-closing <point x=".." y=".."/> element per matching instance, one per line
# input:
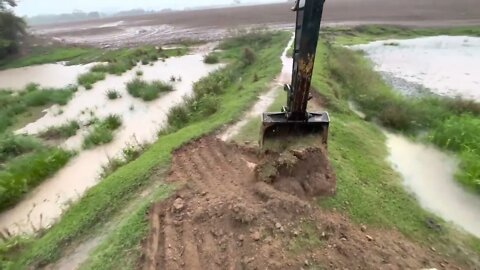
<point x="294" y="118"/>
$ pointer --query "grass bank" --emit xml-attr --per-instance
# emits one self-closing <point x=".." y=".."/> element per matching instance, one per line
<point x="364" y="184"/>
<point x="107" y="198"/>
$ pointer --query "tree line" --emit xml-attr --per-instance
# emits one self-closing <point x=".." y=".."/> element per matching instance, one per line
<point x="12" y="29"/>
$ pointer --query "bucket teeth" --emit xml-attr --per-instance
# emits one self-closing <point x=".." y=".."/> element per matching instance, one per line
<point x="276" y="125"/>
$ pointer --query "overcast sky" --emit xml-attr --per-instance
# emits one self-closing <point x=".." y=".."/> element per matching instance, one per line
<point x="36" y="7"/>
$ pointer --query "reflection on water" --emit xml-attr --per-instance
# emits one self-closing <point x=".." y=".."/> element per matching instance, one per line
<point x="47" y="75"/>
<point x="141" y="121"/>
<point x="429" y="175"/>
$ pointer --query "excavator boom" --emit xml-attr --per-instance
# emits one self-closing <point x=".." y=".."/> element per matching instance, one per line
<point x="294" y="118"/>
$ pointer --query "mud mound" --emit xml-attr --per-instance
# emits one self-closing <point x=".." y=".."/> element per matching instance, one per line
<point x="304" y="172"/>
<point x="225" y="218"/>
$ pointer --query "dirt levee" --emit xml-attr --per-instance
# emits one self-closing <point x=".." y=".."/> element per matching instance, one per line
<point x="241" y="210"/>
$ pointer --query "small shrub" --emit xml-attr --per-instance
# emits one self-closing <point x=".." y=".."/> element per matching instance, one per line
<point x="112" y="122"/>
<point x="147" y="91"/>
<point x="113" y="94"/>
<point x="102" y="132"/>
<point x="32" y="87"/>
<point x="46" y="96"/>
<point x="248" y="57"/>
<point x="129" y="154"/>
<point x="255" y="77"/>
<point x="90" y="78"/>
<point x="139" y="73"/>
<point x="12" y="146"/>
<point x="178" y="116"/>
<point x="211" y="59"/>
<point x="61" y="132"/>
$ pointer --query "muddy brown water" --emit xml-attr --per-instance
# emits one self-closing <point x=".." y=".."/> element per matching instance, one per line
<point x="47" y="75"/>
<point x="141" y="122"/>
<point x="429" y="174"/>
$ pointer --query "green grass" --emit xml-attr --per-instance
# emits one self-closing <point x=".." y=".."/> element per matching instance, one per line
<point x="64" y="131"/>
<point x="46" y="55"/>
<point x="21" y="174"/>
<point x="147" y="91"/>
<point x="24" y="161"/>
<point x="88" y="79"/>
<point x="113" y="94"/>
<point x="129" y="154"/>
<point x="211" y="58"/>
<point x="13" y="106"/>
<point x="111" y="194"/>
<point x="102" y="132"/>
<point x="12" y="146"/>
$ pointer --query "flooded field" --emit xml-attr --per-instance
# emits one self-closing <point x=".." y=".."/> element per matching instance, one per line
<point x="446" y="65"/>
<point x="212" y="24"/>
<point x="141" y="122"/>
<point x="48" y="75"/>
<point x="429" y="175"/>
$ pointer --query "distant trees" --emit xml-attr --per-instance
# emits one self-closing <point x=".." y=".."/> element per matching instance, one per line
<point x="12" y="29"/>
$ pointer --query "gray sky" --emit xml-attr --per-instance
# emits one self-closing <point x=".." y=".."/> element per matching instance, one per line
<point x="36" y="7"/>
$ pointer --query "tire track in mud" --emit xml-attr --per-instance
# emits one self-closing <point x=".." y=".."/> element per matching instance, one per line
<point x="225" y="218"/>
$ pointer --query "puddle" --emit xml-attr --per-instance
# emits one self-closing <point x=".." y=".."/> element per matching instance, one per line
<point x="429" y="175"/>
<point x="18" y="78"/>
<point x="266" y="99"/>
<point x="141" y="121"/>
<point x="446" y="65"/>
<point x="78" y="256"/>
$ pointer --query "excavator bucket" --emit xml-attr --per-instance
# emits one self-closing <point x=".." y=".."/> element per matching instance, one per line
<point x="294" y="118"/>
<point x="275" y="125"/>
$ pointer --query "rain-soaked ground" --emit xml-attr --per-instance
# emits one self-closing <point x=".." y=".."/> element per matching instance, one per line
<point x="141" y="122"/>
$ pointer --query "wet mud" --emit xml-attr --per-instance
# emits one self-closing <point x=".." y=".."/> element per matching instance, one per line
<point x="228" y="218"/>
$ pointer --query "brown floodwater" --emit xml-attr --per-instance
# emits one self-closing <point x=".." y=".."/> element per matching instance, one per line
<point x="141" y="122"/>
<point x="47" y="75"/>
<point x="429" y="175"/>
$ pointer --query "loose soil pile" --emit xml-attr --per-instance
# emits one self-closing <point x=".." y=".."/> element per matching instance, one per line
<point x="242" y="210"/>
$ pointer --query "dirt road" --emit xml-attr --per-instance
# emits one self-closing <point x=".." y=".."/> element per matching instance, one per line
<point x="215" y="23"/>
<point x="226" y="217"/>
